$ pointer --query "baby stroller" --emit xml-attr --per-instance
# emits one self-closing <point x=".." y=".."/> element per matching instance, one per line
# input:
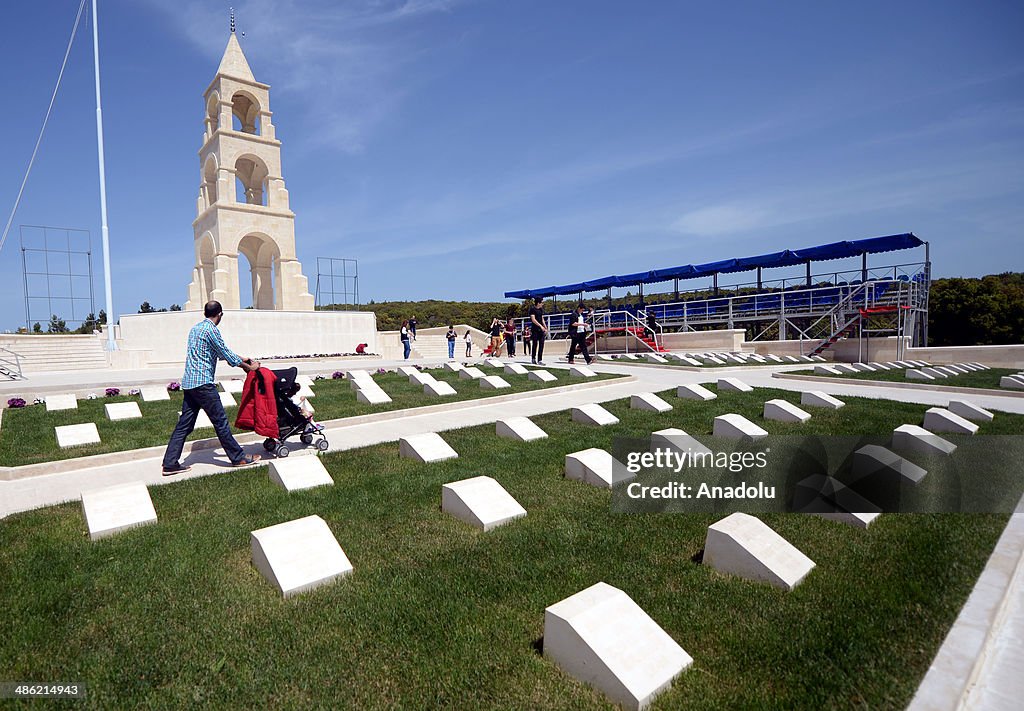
<point x="290" y="420"/>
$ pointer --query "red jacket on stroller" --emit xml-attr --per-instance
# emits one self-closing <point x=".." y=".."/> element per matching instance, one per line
<point x="258" y="409"/>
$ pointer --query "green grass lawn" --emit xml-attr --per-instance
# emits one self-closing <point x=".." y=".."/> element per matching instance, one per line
<point x="27" y="435"/>
<point x="437" y="614"/>
<point x="978" y="379"/>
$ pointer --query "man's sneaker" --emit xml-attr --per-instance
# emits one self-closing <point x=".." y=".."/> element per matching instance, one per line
<point x="176" y="469"/>
<point x="246" y="461"/>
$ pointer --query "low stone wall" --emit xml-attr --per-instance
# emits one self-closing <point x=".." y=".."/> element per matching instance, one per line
<point x="721" y="340"/>
<point x="251" y="332"/>
<point x="1009" y="356"/>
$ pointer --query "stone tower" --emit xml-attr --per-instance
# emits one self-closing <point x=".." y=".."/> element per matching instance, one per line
<point x="243" y="204"/>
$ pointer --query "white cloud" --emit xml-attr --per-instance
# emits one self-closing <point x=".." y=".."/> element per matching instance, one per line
<point x="326" y="56"/>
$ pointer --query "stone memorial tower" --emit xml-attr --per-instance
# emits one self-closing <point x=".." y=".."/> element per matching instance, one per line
<point x="243" y="204"/>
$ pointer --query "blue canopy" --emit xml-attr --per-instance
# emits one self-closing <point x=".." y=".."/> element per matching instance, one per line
<point x="785" y="258"/>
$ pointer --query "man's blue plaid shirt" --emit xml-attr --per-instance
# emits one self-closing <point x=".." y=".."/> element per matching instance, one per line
<point x="205" y="347"/>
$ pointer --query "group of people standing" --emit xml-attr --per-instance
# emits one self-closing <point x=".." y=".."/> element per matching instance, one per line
<point x="503" y="333"/>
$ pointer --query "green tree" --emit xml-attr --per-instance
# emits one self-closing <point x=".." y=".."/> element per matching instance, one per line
<point x="146" y="308"/>
<point x="37" y="327"/>
<point x="103" y="317"/>
<point x="57" y="325"/>
<point x="175" y="307"/>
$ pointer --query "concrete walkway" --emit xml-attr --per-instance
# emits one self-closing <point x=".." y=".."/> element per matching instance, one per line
<point x="44" y="490"/>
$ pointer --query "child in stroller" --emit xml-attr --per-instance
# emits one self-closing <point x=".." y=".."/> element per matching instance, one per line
<point x="291" y="420"/>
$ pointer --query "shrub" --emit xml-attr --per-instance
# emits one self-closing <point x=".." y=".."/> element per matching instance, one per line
<point x="112" y="392"/>
<point x="337" y="375"/>
<point x="15" y="402"/>
<point x="174" y="386"/>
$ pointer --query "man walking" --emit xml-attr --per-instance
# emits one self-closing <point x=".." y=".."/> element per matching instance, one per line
<point x="205" y="348"/>
<point x="538" y="331"/>
<point x="578" y="335"/>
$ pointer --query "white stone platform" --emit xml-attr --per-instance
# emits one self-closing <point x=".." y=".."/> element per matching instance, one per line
<point x="481" y="502"/>
<point x="117" y="508"/>
<point x="298" y="555"/>
<point x="743" y="545"/>
<point x="601" y="637"/>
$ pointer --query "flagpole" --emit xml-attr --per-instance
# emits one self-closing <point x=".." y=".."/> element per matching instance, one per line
<point x="111" y="343"/>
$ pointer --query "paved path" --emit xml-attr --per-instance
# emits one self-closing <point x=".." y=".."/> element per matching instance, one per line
<point x="38" y="491"/>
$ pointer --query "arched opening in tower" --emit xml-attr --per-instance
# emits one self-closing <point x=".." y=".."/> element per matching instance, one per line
<point x="245" y="112"/>
<point x="257" y="285"/>
<point x="251" y="180"/>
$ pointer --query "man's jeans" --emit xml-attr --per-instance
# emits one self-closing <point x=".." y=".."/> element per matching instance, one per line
<point x="451" y="350"/>
<point x="207" y="399"/>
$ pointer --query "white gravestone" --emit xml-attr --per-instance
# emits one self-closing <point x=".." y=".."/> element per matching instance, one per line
<point x="421" y="379"/>
<point x="733" y="385"/>
<point x="817" y="398"/>
<point x="825" y="370"/>
<point x="515" y="369"/>
<point x="677" y="440"/>
<point x="937" y="419"/>
<point x="453" y="367"/>
<point x="595" y="467"/>
<point x="154" y="393"/>
<point x="77" y="435"/>
<point x="372" y="396"/>
<point x="913" y="374"/>
<point x="471" y="374"/>
<point x="493" y="382"/>
<point x="438" y="388"/>
<point x="689" y="361"/>
<point x="745" y="546"/>
<point x="969" y="411"/>
<point x="1010" y="383"/>
<point x="304" y="380"/>
<point x="601" y="637"/>
<point x="593" y="414"/>
<point x="408" y="370"/>
<point x="773" y="358"/>
<point x="521" y="429"/>
<point x="695" y="392"/>
<point x="304" y="391"/>
<point x="427" y="447"/>
<point x="233" y="386"/>
<point x="655" y="358"/>
<point x="542" y="376"/>
<point x="581" y="371"/>
<point x="918" y="440"/>
<point x="737" y="427"/>
<point x="297" y="473"/>
<point x="844" y="368"/>
<point x="202" y="421"/>
<point x="872" y="460"/>
<point x="648" y="402"/>
<point x="359" y="378"/>
<point x="481" y="502"/>
<point x="495" y="362"/>
<point x="784" y="411"/>
<point x="227" y="400"/>
<point x="298" y="556"/>
<point x="861" y="367"/>
<point x="116" y="508"/>
<point x="122" y="411"/>
<point x="61" y="402"/>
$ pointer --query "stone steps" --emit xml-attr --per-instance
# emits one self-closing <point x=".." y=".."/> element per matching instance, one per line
<point x="49" y="353"/>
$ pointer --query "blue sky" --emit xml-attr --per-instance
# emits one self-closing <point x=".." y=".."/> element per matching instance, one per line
<point x="462" y="149"/>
